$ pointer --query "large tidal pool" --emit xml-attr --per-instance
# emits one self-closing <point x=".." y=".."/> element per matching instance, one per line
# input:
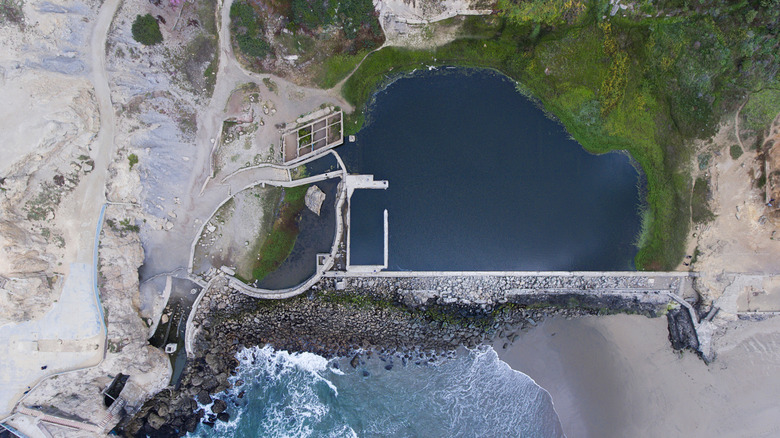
<point x="481" y="179"/>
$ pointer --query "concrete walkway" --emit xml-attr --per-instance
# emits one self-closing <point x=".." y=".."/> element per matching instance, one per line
<point x="69" y="337"/>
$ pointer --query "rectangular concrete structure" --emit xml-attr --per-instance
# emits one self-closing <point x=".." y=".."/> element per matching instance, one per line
<point x="354" y="182"/>
<point x="313" y="134"/>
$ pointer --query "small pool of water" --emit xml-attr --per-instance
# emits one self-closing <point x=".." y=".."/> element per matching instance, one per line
<point x="316" y="236"/>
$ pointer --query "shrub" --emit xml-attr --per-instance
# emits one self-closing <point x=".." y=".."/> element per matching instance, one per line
<point x="310" y="14"/>
<point x="146" y="30"/>
<point x="735" y="151"/>
<point x="700" y="209"/>
<point x="762" y="108"/>
<point x="548" y="12"/>
<point x="133" y="159"/>
<point x="11" y="11"/>
<point x="356" y="14"/>
<point x="248" y="30"/>
<point x="252" y="46"/>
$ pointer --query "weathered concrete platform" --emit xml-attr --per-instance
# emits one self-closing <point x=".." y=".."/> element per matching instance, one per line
<point x="69" y="337"/>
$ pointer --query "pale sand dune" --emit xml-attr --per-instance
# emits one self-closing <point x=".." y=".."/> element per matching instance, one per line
<point x="617" y="376"/>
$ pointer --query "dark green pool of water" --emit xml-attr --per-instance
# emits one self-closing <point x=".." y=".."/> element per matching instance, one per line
<point x="480" y="179"/>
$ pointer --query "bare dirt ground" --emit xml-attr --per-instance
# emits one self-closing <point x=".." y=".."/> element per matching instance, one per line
<point x="50" y="122"/>
<point x="421" y="24"/>
<point x="743" y="237"/>
<point x="245" y="114"/>
<point x="234" y="235"/>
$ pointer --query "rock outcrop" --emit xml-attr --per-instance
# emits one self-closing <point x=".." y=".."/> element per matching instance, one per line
<point x="128" y="352"/>
<point x="49" y="120"/>
<point x="314" y="199"/>
<point x="682" y="332"/>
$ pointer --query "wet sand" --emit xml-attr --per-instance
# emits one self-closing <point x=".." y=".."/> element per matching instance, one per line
<point x="617" y="376"/>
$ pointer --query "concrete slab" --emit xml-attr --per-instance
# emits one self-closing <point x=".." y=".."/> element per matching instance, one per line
<point x="70" y="336"/>
<point x="760" y="296"/>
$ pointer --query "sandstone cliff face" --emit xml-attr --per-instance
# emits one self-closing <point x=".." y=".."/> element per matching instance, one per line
<point x="128" y="352"/>
<point x="49" y="119"/>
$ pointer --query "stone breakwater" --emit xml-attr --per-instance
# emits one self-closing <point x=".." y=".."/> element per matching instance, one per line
<point x="488" y="291"/>
<point x="409" y="318"/>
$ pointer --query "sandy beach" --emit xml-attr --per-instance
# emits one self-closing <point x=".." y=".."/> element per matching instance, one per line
<point x="616" y="376"/>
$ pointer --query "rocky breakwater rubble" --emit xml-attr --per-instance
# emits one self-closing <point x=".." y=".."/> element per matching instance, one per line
<point x="399" y="319"/>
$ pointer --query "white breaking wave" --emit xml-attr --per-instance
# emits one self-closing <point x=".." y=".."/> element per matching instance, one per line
<point x="295" y="395"/>
<point x="278" y="363"/>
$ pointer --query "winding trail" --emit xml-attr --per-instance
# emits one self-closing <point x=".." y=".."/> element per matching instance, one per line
<point x="89" y="196"/>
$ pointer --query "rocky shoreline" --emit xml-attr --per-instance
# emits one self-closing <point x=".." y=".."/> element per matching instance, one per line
<point x="334" y="320"/>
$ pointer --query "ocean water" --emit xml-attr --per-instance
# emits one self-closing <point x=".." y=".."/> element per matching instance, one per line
<point x="305" y="395"/>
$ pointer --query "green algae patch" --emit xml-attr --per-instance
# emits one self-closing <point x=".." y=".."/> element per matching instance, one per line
<point x="279" y="244"/>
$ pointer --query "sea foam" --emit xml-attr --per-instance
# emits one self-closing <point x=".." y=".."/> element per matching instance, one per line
<point x="472" y="393"/>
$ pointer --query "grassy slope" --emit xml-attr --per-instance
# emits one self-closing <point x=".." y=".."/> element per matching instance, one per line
<point x="669" y="80"/>
<point x="280" y="242"/>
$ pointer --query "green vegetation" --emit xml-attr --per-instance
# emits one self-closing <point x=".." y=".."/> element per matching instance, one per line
<point x="310" y="13"/>
<point x="704" y="160"/>
<point x="205" y="11"/>
<point x="360" y="301"/>
<point x="695" y="257"/>
<point x="11" y="12"/>
<point x="247" y="29"/>
<point x="735" y="151"/>
<point x="761" y="108"/>
<point x="210" y="74"/>
<point x="280" y="242"/>
<point x="646" y="85"/>
<point x="326" y="38"/>
<point x="146" y="30"/>
<point x="352" y="16"/>
<point x="133" y="159"/>
<point x="700" y="210"/>
<point x="547" y="12"/>
<point x="198" y="62"/>
<point x="337" y="67"/>
<point x="271" y="85"/>
<point x="123" y="227"/>
<point x="42" y="205"/>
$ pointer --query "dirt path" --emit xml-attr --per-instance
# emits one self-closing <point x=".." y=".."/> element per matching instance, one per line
<point x="80" y="220"/>
<point x="736" y="124"/>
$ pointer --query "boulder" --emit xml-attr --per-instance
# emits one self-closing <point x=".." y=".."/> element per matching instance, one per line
<point x="162" y="411"/>
<point x="155" y="421"/>
<point x="314" y="199"/>
<point x="204" y="397"/>
<point x="191" y="424"/>
<point x="219" y="406"/>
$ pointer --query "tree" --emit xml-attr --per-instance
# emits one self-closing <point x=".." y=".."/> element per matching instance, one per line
<point x="146" y="30"/>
